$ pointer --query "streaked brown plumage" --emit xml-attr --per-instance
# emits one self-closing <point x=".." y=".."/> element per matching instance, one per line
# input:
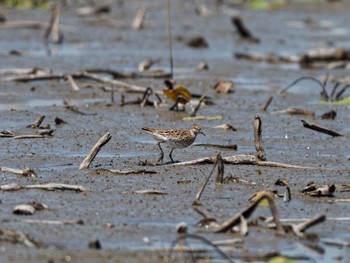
<point x="176" y="139"/>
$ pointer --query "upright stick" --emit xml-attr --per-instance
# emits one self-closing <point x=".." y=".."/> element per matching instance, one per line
<point x="170" y="40"/>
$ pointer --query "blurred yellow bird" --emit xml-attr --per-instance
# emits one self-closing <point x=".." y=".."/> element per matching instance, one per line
<point x="177" y="93"/>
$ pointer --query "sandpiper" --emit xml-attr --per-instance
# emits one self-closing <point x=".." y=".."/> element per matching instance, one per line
<point x="176" y="139"/>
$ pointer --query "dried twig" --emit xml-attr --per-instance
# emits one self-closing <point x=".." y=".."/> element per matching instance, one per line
<point x="54" y="222"/>
<point x="318" y="128"/>
<point x="295" y="111"/>
<point x="258" y="140"/>
<point x="199" y="194"/>
<point x="246" y="213"/>
<point x="28" y="136"/>
<point x="242" y="30"/>
<point x="198" y="106"/>
<point x="221" y="169"/>
<point x="137" y="24"/>
<point x="230" y="147"/>
<point x="267" y="103"/>
<point x="124" y="172"/>
<point x="72" y="83"/>
<point x="15" y="236"/>
<point x="54" y="26"/>
<point x="94" y="151"/>
<point x="36" y="123"/>
<point x="47" y="187"/>
<point x="25" y="172"/>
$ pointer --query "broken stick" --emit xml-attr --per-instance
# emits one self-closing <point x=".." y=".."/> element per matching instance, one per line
<point x="94" y="151"/>
<point x="318" y="128"/>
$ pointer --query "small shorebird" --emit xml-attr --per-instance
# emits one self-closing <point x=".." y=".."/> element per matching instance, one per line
<point x="176" y="139"/>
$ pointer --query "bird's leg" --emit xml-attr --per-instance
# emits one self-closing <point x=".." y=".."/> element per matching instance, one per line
<point x="171" y="158"/>
<point x="176" y="105"/>
<point x="161" y="154"/>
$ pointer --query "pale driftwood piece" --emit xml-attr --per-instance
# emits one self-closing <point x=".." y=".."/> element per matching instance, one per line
<point x="221" y="170"/>
<point x="94" y="151"/>
<point x="230" y="147"/>
<point x="321" y="129"/>
<point x="194" y="113"/>
<point x="54" y="222"/>
<point x="310" y="223"/>
<point x="10" y="187"/>
<point x="54" y="25"/>
<point x="22" y="71"/>
<point x="199" y="194"/>
<point x="25" y="172"/>
<point x="47" y="187"/>
<point x="137" y="24"/>
<point x="267" y="103"/>
<point x="28" y="136"/>
<point x="284" y="165"/>
<point x="47" y="132"/>
<point x="226" y="127"/>
<point x="31" y="25"/>
<point x="55" y="186"/>
<point x="72" y="83"/>
<point x="205" y="213"/>
<point x="324" y="55"/>
<point x="244" y="226"/>
<point x="76" y="110"/>
<point x="125" y="172"/>
<point x="117" y="83"/>
<point x="295" y="111"/>
<point x="260" y="152"/>
<point x="15" y="236"/>
<point x="6" y="134"/>
<point x="246" y="213"/>
<point x="235" y="159"/>
<point x="146" y="192"/>
<point x="23" y="209"/>
<point x="228" y="242"/>
<point x="36" y="123"/>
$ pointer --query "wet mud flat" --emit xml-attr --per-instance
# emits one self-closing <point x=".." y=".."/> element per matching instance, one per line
<point x="135" y="227"/>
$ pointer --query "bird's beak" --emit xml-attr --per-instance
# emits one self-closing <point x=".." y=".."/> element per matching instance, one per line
<point x="202" y="133"/>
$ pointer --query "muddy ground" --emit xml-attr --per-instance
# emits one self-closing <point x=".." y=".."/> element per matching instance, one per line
<point x="141" y="228"/>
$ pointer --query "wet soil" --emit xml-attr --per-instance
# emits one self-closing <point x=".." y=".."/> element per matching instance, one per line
<point x="141" y="228"/>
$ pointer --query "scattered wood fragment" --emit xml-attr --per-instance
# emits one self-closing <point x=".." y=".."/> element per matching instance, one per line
<point x="54" y="27"/>
<point x="26" y="172"/>
<point x="23" y="209"/>
<point x="36" y="124"/>
<point x="31" y="25"/>
<point x="72" y="83"/>
<point x="6" y="134"/>
<point x="260" y="152"/>
<point x="76" y="110"/>
<point x="235" y="159"/>
<point x="270" y="58"/>
<point x="54" y="222"/>
<point x="137" y="24"/>
<point x="313" y="56"/>
<point x="198" y="118"/>
<point x="223" y="87"/>
<point x="208" y="221"/>
<point x="47" y="187"/>
<point x="94" y="151"/>
<point x="17" y="237"/>
<point x="243" y="30"/>
<point x="147" y="192"/>
<point x="220" y="146"/>
<point x="219" y="179"/>
<point x="246" y="213"/>
<point x="325" y="191"/>
<point x="226" y="127"/>
<point x="330" y="115"/>
<point x="321" y="129"/>
<point x="197" y="42"/>
<point x="124" y="172"/>
<point x="267" y="104"/>
<point x="194" y="113"/>
<point x="296" y="111"/>
<point x="43" y="132"/>
<point x="28" y="136"/>
<point x="183" y="248"/>
<point x="199" y="194"/>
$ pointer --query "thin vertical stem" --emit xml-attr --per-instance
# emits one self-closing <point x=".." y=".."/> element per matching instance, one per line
<point x="170" y="40"/>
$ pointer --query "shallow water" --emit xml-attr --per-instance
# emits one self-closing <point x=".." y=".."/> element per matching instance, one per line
<point x="133" y="216"/>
